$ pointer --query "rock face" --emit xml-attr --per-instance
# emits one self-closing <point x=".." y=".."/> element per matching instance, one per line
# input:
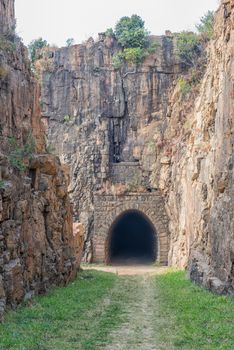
<point x="37" y="246"/>
<point x="198" y="184"/>
<point x="96" y="115"/>
<point x="7" y="16"/>
<point x="134" y="128"/>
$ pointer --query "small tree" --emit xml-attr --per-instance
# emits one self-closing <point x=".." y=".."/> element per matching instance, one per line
<point x="35" y="46"/>
<point x="189" y="48"/>
<point x="109" y="32"/>
<point x="206" y="25"/>
<point x="131" y="33"/>
<point x="70" y="42"/>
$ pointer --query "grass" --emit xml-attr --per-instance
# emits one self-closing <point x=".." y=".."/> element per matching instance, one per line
<point x="197" y="318"/>
<point x="100" y="308"/>
<point x="76" y="317"/>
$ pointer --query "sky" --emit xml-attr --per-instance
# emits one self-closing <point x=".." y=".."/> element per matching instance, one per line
<point x="58" y="20"/>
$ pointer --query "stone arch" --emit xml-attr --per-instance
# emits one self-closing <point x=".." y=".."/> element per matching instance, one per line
<point x="107" y="208"/>
<point x="155" y="247"/>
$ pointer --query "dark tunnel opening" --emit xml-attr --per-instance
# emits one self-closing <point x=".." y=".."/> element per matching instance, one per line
<point x="132" y="240"/>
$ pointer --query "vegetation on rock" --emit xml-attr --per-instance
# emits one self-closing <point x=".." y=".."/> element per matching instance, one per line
<point x="70" y="42"/>
<point x="190" y="45"/>
<point x="34" y="48"/>
<point x="19" y="155"/>
<point x="189" y="48"/>
<point x="184" y="86"/>
<point x="3" y="71"/>
<point x="133" y="38"/>
<point x="206" y="25"/>
<point x="7" y="45"/>
<point x="131" y="32"/>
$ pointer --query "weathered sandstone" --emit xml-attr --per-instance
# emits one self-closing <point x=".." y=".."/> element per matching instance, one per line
<point x="37" y="246"/>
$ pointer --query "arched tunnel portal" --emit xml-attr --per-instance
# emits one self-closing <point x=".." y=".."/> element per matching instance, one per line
<point x="132" y="239"/>
<point x="130" y="227"/>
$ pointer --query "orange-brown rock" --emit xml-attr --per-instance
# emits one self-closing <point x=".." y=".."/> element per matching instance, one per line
<point x="37" y="246"/>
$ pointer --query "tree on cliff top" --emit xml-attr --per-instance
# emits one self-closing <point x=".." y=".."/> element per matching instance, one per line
<point x="70" y="42"/>
<point x="191" y="46"/>
<point x="133" y="37"/>
<point x="35" y="46"/>
<point x="206" y="25"/>
<point x="131" y="33"/>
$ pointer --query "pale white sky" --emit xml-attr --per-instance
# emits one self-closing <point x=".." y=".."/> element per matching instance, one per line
<point x="57" y="20"/>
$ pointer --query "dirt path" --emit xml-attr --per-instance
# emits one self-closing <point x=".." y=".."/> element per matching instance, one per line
<point x="123" y="270"/>
<point x="141" y="327"/>
<point x="137" y="332"/>
<point x="143" y="323"/>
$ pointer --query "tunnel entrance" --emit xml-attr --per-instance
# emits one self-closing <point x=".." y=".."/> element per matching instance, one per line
<point x="132" y="239"/>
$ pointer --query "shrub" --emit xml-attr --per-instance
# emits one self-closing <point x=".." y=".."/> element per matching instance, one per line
<point x="3" y="72"/>
<point x="184" y="86"/>
<point x="7" y="45"/>
<point x="134" y="55"/>
<point x="70" y="42"/>
<point x="189" y="48"/>
<point x="2" y="184"/>
<point x="206" y="25"/>
<point x="135" y="184"/>
<point x="134" y="40"/>
<point x="19" y="154"/>
<point x="50" y="149"/>
<point x="35" y="46"/>
<point x="117" y="61"/>
<point x="131" y="32"/>
<point x="67" y="119"/>
<point x="109" y="32"/>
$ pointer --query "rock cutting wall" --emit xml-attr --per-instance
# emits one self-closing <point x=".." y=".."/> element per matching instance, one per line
<point x="198" y="179"/>
<point x="7" y="16"/>
<point x="37" y="246"/>
<point x="95" y="114"/>
<point x="183" y="146"/>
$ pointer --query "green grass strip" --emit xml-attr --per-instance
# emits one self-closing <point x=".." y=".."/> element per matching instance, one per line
<point x="66" y="318"/>
<point x="196" y="318"/>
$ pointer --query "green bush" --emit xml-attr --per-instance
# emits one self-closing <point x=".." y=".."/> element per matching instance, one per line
<point x="189" y="48"/>
<point x="35" y="46"/>
<point x="2" y="184"/>
<point x="50" y="149"/>
<point x="19" y="154"/>
<point x="109" y="32"/>
<point x="70" y="42"/>
<point x="6" y="45"/>
<point x="206" y="25"/>
<point x="134" y="40"/>
<point x="67" y="119"/>
<point x="184" y="86"/>
<point x="134" y="55"/>
<point x="117" y="61"/>
<point x="3" y="72"/>
<point x="131" y="32"/>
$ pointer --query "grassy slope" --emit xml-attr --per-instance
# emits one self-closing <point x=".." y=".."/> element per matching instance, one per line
<point x="197" y="318"/>
<point x="85" y="314"/>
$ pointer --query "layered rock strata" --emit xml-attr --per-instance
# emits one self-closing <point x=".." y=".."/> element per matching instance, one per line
<point x="37" y="246"/>
<point x="198" y="179"/>
<point x="95" y="115"/>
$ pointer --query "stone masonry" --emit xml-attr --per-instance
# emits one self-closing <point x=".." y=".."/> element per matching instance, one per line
<point x="109" y="207"/>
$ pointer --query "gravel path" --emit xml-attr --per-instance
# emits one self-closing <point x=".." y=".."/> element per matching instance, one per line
<point x="138" y="331"/>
